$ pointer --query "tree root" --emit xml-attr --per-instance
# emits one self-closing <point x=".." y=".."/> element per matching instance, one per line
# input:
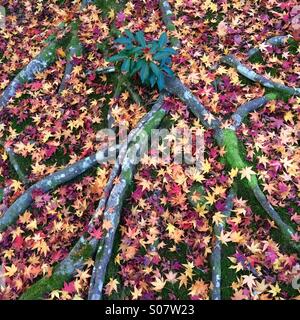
<point x="250" y="106"/>
<point x="287" y="231"/>
<point x="64" y="271"/>
<point x="111" y="204"/>
<point x="105" y="70"/>
<point x="277" y="41"/>
<point x="217" y="249"/>
<point x="233" y="62"/>
<point x="74" y="49"/>
<point x="227" y="138"/>
<point x="49" y="183"/>
<point x="86" y="247"/>
<point x="176" y="87"/>
<point x="37" y="65"/>
<point x="115" y="201"/>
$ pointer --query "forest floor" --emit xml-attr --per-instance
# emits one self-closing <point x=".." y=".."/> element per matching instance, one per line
<point x="163" y="245"/>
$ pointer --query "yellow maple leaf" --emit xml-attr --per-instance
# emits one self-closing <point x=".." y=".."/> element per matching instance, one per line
<point x="189" y="269"/>
<point x="246" y="173"/>
<point x="111" y="286"/>
<point x="201" y="209"/>
<point x="55" y="294"/>
<point x="10" y="271"/>
<point x="288" y="116"/>
<point x="32" y="225"/>
<point x="136" y="293"/>
<point x="233" y="172"/>
<point x="206" y="166"/>
<point x="210" y="198"/>
<point x="60" y="52"/>
<point x="224" y="237"/>
<point x="111" y="14"/>
<point x="275" y="290"/>
<point x="25" y="218"/>
<point x="158" y="284"/>
<point x="218" y="217"/>
<point x="16" y="185"/>
<point x="237" y="237"/>
<point x="183" y="280"/>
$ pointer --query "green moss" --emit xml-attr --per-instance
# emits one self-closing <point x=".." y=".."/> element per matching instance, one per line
<point x="272" y="96"/>
<point x="280" y="95"/>
<point x="61" y="273"/>
<point x="127" y="175"/>
<point x="155" y="121"/>
<point x="273" y="72"/>
<point x="244" y="80"/>
<point x="167" y="122"/>
<point x="20" y="126"/>
<point x="214" y="18"/>
<point x="233" y="156"/>
<point x="228" y="275"/>
<point x="171" y="27"/>
<point x="84" y="253"/>
<point x="43" y="286"/>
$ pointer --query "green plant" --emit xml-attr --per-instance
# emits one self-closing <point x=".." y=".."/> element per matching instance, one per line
<point x="150" y="59"/>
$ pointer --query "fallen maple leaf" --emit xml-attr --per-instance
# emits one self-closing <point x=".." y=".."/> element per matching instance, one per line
<point x="158" y="284"/>
<point x="246" y="173"/>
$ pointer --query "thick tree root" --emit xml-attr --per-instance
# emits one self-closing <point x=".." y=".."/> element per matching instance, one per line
<point x="217" y="249"/>
<point x="250" y="106"/>
<point x="115" y="201"/>
<point x="176" y="87"/>
<point x="233" y="62"/>
<point x="277" y="41"/>
<point x="64" y="271"/>
<point x="227" y="138"/>
<point x="86" y="247"/>
<point x="167" y="14"/>
<point x="39" y="64"/>
<point x="49" y="183"/>
<point x="74" y="50"/>
<point x="287" y="231"/>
